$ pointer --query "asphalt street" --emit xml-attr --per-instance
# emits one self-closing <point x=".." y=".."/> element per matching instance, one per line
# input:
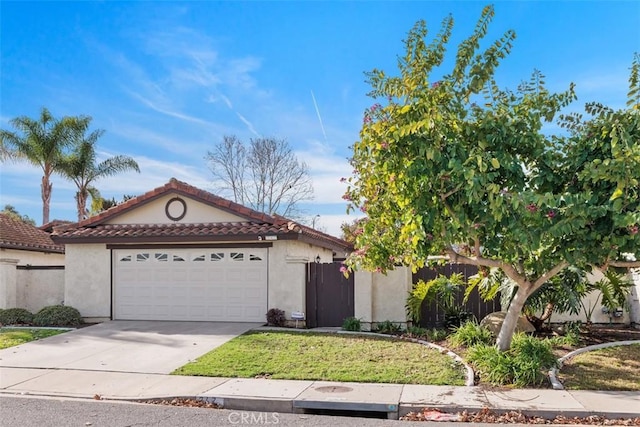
<point x="56" y="412"/>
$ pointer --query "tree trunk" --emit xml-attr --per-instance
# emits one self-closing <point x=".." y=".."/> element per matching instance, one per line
<point x="538" y="322"/>
<point x="81" y="204"/>
<point x="511" y="319"/>
<point x="45" y="188"/>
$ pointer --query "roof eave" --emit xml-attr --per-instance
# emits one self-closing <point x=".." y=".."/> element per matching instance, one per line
<point x="31" y="248"/>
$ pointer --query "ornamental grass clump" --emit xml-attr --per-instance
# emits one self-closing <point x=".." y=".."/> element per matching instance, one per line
<point x="525" y="364"/>
<point x="352" y="324"/>
<point x="469" y="334"/>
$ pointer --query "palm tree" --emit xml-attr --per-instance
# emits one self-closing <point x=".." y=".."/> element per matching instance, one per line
<point x="41" y="142"/>
<point x="80" y="165"/>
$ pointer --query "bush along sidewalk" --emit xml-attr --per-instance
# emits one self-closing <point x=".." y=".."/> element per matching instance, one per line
<point x="524" y="364"/>
<point x="16" y="316"/>
<point x="54" y="315"/>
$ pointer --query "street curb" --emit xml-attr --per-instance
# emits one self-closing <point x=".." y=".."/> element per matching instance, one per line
<point x="553" y="373"/>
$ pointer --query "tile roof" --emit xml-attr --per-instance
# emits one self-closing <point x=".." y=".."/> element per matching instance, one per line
<point x="16" y="234"/>
<point x="256" y="227"/>
<point x="184" y="189"/>
<point x="48" y="227"/>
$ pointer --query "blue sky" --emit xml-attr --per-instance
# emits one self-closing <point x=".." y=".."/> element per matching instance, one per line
<point x="166" y="80"/>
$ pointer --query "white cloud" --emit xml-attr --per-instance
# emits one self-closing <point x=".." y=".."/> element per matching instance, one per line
<point x="153" y="173"/>
<point x="172" y="113"/>
<point x="157" y="140"/>
<point x="248" y="123"/>
<point x="330" y="224"/>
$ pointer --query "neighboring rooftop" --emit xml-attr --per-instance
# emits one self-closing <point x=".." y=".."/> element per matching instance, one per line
<point x="17" y="234"/>
<point x="48" y="227"/>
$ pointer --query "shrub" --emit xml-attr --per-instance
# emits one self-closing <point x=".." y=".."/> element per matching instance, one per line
<point x="352" y="324"/>
<point x="437" y="334"/>
<point x="388" y="327"/>
<point x="417" y="332"/>
<point x="16" y="316"/>
<point x="571" y="335"/>
<point x="58" y="315"/>
<point x="524" y="364"/>
<point x="275" y="317"/>
<point x="456" y="316"/>
<point x="470" y="334"/>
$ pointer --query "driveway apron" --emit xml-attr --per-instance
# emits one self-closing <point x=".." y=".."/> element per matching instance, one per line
<point x="150" y="347"/>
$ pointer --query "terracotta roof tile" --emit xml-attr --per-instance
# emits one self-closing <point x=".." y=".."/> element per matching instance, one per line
<point x="16" y="234"/>
<point x="48" y="227"/>
<point x="183" y="188"/>
<point x="176" y="232"/>
<point x="219" y="229"/>
<point x="257" y="224"/>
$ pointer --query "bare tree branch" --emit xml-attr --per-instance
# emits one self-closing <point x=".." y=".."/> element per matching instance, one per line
<point x="265" y="174"/>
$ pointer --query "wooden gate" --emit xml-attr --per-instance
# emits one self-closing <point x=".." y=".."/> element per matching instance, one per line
<point x="432" y="316"/>
<point x="329" y="295"/>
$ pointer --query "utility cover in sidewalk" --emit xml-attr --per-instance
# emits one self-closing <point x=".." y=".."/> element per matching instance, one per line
<point x="334" y="389"/>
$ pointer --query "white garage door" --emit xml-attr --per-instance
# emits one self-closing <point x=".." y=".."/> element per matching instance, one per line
<point x="228" y="285"/>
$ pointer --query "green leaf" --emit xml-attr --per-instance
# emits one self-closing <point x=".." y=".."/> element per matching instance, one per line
<point x="616" y="194"/>
<point x="495" y="163"/>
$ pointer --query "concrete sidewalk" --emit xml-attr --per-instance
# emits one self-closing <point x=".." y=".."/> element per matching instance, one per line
<point x="305" y="396"/>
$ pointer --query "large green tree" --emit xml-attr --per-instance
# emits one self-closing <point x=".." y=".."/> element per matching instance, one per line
<point x="41" y="142"/>
<point x="82" y="167"/>
<point x="450" y="164"/>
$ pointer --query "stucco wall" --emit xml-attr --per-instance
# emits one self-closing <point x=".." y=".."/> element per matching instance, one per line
<point x="363" y="297"/>
<point x="39" y="288"/>
<point x="88" y="280"/>
<point x="16" y="286"/>
<point x="634" y="298"/>
<point x="154" y="213"/>
<point x="592" y="300"/>
<point x="390" y="295"/>
<point x="8" y="281"/>
<point x="287" y="273"/>
<point x="380" y="297"/>
<point x="33" y="257"/>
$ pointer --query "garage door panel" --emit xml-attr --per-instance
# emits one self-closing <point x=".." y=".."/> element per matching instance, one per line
<point x="182" y="284"/>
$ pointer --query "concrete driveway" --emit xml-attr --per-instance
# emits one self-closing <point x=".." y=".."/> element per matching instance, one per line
<point x="124" y="346"/>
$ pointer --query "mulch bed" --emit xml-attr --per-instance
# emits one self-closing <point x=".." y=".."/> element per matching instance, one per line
<point x="603" y="334"/>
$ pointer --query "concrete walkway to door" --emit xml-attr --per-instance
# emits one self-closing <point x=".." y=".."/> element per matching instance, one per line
<point x="149" y="347"/>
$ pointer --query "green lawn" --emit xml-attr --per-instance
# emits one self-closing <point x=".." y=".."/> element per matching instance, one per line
<point x="613" y="368"/>
<point x="329" y="357"/>
<point x="10" y="337"/>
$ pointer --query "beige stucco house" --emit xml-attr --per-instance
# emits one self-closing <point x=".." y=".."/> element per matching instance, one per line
<point x="31" y="266"/>
<point x="181" y="253"/>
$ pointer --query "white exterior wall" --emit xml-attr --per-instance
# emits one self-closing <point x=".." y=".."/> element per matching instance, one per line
<point x="634" y="298"/>
<point x="88" y="280"/>
<point x="592" y="300"/>
<point x="88" y="276"/>
<point x="154" y="213"/>
<point x="16" y="286"/>
<point x="380" y="297"/>
<point x="287" y="273"/>
<point x="363" y="298"/>
<point x="8" y="282"/>
<point x="33" y="257"/>
<point x="390" y="293"/>
<point x="39" y="288"/>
